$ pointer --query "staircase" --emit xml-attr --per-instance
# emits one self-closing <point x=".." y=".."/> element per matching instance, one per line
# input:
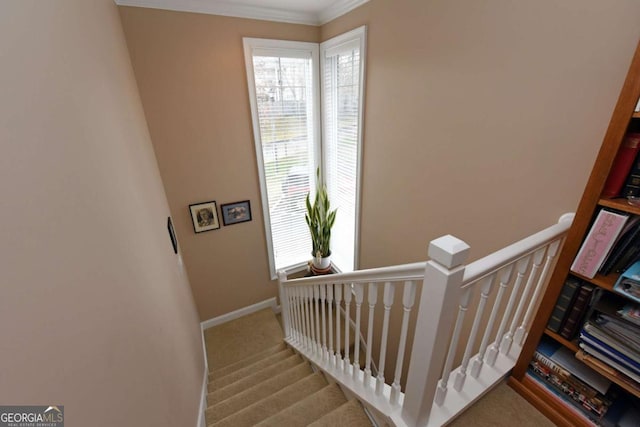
<point x="254" y="380"/>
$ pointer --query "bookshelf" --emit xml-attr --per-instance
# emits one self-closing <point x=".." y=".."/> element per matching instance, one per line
<point x="553" y="406"/>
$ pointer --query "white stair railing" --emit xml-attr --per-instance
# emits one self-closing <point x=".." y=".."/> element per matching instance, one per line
<point x="451" y="328"/>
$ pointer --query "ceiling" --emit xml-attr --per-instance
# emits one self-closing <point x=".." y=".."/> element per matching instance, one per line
<point x="311" y="12"/>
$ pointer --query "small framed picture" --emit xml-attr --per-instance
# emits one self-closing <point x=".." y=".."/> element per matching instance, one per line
<point x="204" y="216"/>
<point x="234" y="213"/>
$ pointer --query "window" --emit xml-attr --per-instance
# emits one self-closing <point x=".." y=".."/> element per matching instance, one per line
<point x="284" y="91"/>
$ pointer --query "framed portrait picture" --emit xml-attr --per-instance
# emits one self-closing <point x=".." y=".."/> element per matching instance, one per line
<point x="235" y="213"/>
<point x="204" y="216"/>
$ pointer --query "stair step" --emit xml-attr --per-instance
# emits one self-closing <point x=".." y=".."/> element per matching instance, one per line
<point x="349" y="414"/>
<point x="218" y="395"/>
<point x="241" y="338"/>
<point x="309" y="409"/>
<point x="250" y="369"/>
<point x="275" y="403"/>
<point x="221" y="372"/>
<point x="257" y="392"/>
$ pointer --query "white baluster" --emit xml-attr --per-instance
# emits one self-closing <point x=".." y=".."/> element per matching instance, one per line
<point x="347" y="326"/>
<point x="372" y="298"/>
<point x="296" y="315"/>
<point x="332" y="357"/>
<point x="307" y="307"/>
<point x="312" y="327"/>
<point x="533" y="302"/>
<point x="485" y="290"/>
<point x="323" y="303"/>
<point x="284" y="304"/>
<point x="476" y="364"/>
<point x="338" y="296"/>
<point x="388" y="302"/>
<point x="441" y="390"/>
<point x="316" y="302"/>
<point x="502" y="342"/>
<point x="436" y="311"/>
<point x="408" y="298"/>
<point x="508" y="338"/>
<point x="356" y="354"/>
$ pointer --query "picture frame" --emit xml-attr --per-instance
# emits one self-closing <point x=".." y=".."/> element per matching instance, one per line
<point x="235" y="213"/>
<point x="172" y="235"/>
<point x="204" y="216"/>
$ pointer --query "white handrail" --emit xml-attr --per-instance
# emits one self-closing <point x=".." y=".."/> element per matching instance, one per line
<point x="450" y="285"/>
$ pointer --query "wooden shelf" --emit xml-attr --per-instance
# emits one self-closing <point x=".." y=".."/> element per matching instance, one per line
<point x="604" y="282"/>
<point x="636" y="115"/>
<point x="571" y="345"/>
<point x="620" y="204"/>
<point x="612" y="375"/>
<point x="547" y="403"/>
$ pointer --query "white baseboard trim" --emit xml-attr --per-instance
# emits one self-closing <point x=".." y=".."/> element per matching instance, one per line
<point x="202" y="422"/>
<point x="271" y="302"/>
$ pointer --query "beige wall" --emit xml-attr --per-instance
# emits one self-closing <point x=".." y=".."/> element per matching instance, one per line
<point x="192" y="80"/>
<point x="95" y="309"/>
<point x="482" y="120"/>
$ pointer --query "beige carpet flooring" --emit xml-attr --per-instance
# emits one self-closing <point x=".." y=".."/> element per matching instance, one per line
<point x="255" y="379"/>
<point x="502" y="407"/>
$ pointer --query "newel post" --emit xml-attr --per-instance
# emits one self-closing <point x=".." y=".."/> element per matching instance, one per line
<point x="436" y="314"/>
<point x="284" y="303"/>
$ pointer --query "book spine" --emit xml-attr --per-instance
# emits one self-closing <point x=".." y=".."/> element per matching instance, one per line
<point x="621" y="166"/>
<point x="598" y="242"/>
<point x="567" y="294"/>
<point x="570" y="326"/>
<point x="631" y="186"/>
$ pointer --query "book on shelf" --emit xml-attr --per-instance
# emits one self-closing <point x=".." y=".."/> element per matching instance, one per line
<point x="594" y="407"/>
<point x="565" y="300"/>
<point x="576" y="314"/>
<point x="630" y="313"/>
<point x="628" y="284"/>
<point x="622" y="165"/>
<point x="563" y="357"/>
<point x="631" y="185"/>
<point x="625" y="243"/>
<point x="598" y="242"/>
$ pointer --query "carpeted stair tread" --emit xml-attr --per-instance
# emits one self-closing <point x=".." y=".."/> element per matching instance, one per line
<point x="309" y="409"/>
<point x="221" y="372"/>
<point x="350" y="414"/>
<point x="275" y="403"/>
<point x="218" y="395"/>
<point x="257" y="392"/>
<point x="241" y="338"/>
<point x="250" y="369"/>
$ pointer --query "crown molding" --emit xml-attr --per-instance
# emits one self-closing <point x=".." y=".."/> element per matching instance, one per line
<point x="220" y="7"/>
<point x="337" y="9"/>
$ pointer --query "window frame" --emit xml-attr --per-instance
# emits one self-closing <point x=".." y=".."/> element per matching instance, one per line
<point x="356" y="36"/>
<point x="316" y="52"/>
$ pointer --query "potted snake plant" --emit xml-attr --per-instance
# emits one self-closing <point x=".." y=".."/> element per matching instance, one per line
<point x="320" y="220"/>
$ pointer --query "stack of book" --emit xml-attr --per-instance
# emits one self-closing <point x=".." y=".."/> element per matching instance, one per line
<point x="573" y="305"/>
<point x="612" y="336"/>
<point x="582" y="390"/>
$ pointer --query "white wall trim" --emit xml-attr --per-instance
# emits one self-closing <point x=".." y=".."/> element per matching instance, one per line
<point x="224" y="8"/>
<point x="202" y="422"/>
<point x="271" y="302"/>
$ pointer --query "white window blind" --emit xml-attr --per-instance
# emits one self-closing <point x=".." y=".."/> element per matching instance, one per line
<point x="284" y="104"/>
<point x="342" y="89"/>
